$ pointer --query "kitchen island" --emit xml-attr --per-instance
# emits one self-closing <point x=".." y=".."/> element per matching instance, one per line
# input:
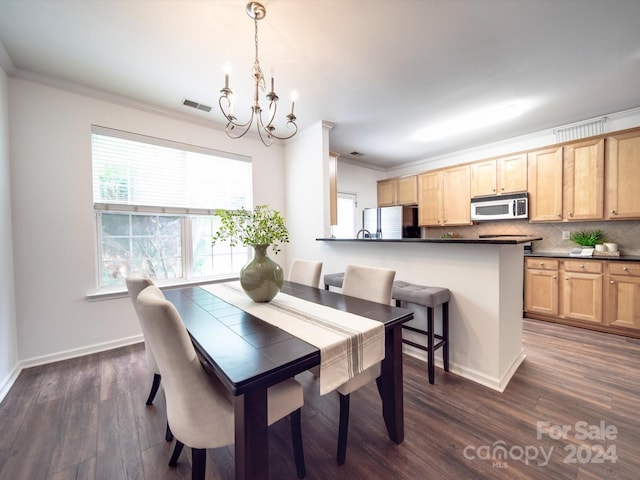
<point x="485" y="277"/>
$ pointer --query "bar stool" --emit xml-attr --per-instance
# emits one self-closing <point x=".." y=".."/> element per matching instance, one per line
<point x="429" y="297"/>
<point x="333" y="280"/>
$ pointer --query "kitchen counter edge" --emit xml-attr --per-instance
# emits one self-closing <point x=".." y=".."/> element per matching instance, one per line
<point x="566" y="256"/>
<point x="465" y="241"/>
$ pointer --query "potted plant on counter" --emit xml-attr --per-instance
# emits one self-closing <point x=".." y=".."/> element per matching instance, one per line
<point x="587" y="238"/>
<point x="261" y="278"/>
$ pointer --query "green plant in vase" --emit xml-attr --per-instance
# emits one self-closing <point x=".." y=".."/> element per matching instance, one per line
<point x="587" y="238"/>
<point x="261" y="278"/>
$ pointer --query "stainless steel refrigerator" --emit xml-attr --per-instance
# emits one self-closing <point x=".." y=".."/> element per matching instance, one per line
<point x="384" y="222"/>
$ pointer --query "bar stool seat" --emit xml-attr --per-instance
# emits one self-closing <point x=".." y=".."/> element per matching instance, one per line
<point x="429" y="297"/>
<point x="333" y="280"/>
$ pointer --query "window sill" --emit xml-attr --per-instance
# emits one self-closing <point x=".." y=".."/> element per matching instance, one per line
<point x="121" y="293"/>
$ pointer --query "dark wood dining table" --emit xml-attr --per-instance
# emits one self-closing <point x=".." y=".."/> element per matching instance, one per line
<point x="249" y="355"/>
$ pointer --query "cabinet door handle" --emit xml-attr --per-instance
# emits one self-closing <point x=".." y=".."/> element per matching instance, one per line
<point x="566" y="278"/>
<point x="625" y="268"/>
<point x="613" y="211"/>
<point x="541" y="263"/>
<point x="554" y="277"/>
<point x="571" y="214"/>
<point x="581" y="266"/>
<point x="558" y="215"/>
<point x="611" y="282"/>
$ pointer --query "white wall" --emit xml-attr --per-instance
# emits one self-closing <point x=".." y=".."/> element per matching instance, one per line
<point x="361" y="181"/>
<point x="54" y="239"/>
<point x="8" y="329"/>
<point x="307" y="192"/>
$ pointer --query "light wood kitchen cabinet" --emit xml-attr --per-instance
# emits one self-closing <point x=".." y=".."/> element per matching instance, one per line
<point x="387" y="192"/>
<point x="407" y="190"/>
<point x="601" y="295"/>
<point x="456" y="196"/>
<point x="581" y="287"/>
<point x="398" y="191"/>
<point x="623" y="176"/>
<point x="541" y="286"/>
<point x="622" y="295"/>
<point x="545" y="184"/>
<point x="583" y="180"/>
<point x="498" y="176"/>
<point x="444" y="197"/>
<point x="429" y="203"/>
<point x="484" y="178"/>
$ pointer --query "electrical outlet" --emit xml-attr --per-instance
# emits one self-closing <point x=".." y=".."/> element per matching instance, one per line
<point x="566" y="235"/>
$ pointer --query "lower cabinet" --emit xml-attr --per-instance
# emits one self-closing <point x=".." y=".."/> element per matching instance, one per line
<point x="581" y="287"/>
<point x="622" y="295"/>
<point x="597" y="294"/>
<point x="541" y="286"/>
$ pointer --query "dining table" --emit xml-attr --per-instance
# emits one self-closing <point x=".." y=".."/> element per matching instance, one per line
<point x="249" y="355"/>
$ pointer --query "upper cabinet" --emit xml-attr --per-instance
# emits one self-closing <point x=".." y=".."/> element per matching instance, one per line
<point x="545" y="184"/>
<point x="443" y="197"/>
<point x="596" y="178"/>
<point x="398" y="191"/>
<point x="407" y="190"/>
<point x="387" y="192"/>
<point x="583" y="180"/>
<point x="623" y="176"/>
<point x="567" y="183"/>
<point x="429" y="203"/>
<point x="499" y="176"/>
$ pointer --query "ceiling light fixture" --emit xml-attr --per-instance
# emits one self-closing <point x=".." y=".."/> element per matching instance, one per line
<point x="474" y="121"/>
<point x="236" y="130"/>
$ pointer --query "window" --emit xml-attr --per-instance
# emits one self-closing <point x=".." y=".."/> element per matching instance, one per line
<point x="154" y="202"/>
<point x="346" y="227"/>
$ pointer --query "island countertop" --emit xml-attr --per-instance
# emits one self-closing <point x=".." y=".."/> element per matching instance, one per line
<point x="497" y="240"/>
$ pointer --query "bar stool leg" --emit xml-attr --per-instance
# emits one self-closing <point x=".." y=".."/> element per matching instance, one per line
<point x="430" y="351"/>
<point x="445" y="335"/>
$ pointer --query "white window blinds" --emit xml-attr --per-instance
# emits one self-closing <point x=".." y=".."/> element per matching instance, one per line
<point x="138" y="173"/>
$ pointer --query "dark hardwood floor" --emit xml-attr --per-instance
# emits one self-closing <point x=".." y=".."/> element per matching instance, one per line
<point x="86" y="419"/>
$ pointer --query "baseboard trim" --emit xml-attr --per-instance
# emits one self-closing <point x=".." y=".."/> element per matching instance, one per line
<point x="494" y="383"/>
<point x="8" y="382"/>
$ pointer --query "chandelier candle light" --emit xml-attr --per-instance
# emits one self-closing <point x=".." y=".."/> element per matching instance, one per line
<point x="236" y="130"/>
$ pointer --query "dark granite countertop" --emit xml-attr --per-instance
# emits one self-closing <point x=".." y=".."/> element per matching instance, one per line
<point x="565" y="255"/>
<point x="477" y="241"/>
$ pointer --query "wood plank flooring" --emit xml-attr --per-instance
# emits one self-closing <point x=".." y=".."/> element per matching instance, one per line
<point x="86" y="418"/>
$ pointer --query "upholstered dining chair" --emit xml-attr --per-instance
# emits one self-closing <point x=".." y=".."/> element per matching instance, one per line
<point x="199" y="409"/>
<point x="376" y="285"/>
<point x="135" y="284"/>
<point x="306" y="272"/>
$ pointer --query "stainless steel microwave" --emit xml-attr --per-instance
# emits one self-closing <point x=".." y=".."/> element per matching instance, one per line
<point x="502" y="207"/>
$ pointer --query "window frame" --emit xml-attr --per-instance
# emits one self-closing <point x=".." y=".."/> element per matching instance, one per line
<point x="186" y="215"/>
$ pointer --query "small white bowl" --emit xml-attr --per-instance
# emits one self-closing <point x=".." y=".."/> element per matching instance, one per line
<point x="611" y="247"/>
<point x="601" y="248"/>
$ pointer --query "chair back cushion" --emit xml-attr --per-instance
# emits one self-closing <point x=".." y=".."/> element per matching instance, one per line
<point x="369" y="283"/>
<point x="135" y="284"/>
<point x="306" y="272"/>
<point x="199" y="413"/>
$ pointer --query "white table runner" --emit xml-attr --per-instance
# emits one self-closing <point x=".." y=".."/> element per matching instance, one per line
<point x="348" y="343"/>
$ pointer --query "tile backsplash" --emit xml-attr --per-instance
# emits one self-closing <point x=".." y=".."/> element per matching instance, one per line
<point x="625" y="233"/>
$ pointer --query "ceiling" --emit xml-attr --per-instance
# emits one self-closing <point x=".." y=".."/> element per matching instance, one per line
<point x="378" y="70"/>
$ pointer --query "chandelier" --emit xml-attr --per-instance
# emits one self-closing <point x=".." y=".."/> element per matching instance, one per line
<point x="266" y="131"/>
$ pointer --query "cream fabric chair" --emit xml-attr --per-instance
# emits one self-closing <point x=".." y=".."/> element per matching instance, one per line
<point x="306" y="272"/>
<point x="199" y="409"/>
<point x="135" y="284"/>
<point x="373" y="284"/>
